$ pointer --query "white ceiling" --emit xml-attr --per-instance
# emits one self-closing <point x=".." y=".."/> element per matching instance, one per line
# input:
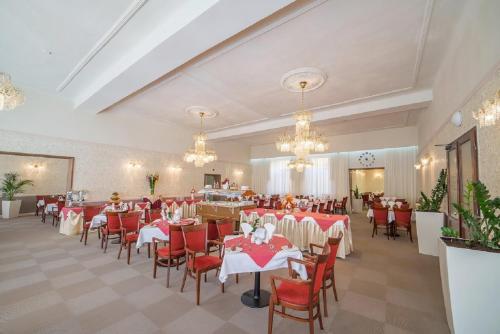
<point x="155" y="58"/>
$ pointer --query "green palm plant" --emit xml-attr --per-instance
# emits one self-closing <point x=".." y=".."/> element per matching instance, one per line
<point x="484" y="229"/>
<point x="433" y="203"/>
<point x="13" y="184"/>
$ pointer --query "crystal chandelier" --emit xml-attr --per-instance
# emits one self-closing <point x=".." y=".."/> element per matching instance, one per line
<point x="305" y="140"/>
<point x="200" y="155"/>
<point x="489" y="112"/>
<point x="10" y="96"/>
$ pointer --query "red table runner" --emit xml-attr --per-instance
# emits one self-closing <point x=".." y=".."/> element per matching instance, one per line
<point x="260" y="254"/>
<point x="164" y="225"/>
<point x="65" y="211"/>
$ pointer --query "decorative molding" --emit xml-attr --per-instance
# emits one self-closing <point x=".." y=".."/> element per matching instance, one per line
<point x="102" y="42"/>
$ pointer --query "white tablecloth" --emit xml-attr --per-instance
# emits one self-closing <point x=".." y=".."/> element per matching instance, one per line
<point x="72" y="225"/>
<point x="51" y="207"/>
<point x="390" y="215"/>
<point x="40" y="203"/>
<point x="237" y="263"/>
<point x="98" y="220"/>
<point x="146" y="234"/>
<point x="306" y="231"/>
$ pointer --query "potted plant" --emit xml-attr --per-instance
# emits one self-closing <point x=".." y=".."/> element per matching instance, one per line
<point x="470" y="268"/>
<point x="357" y="201"/>
<point x="12" y="184"/>
<point x="429" y="218"/>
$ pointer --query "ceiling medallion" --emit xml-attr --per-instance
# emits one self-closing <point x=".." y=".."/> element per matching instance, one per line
<point x="314" y="78"/>
<point x="10" y="96"/>
<point x="305" y="140"/>
<point x="200" y="155"/>
<point x="197" y="110"/>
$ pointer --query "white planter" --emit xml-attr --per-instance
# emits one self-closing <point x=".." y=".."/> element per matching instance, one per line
<point x="357" y="205"/>
<point x="429" y="231"/>
<point x="10" y="209"/>
<point x="470" y="281"/>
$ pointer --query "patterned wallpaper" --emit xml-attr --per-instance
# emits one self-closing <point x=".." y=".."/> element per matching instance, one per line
<point x="488" y="143"/>
<point x="101" y="169"/>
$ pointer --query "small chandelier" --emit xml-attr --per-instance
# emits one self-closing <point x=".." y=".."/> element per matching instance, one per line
<point x="305" y="140"/>
<point x="10" y="96"/>
<point x="200" y="155"/>
<point x="489" y="112"/>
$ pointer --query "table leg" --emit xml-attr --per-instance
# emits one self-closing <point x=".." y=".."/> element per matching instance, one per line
<point x="256" y="298"/>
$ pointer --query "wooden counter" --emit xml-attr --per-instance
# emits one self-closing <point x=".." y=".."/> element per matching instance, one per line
<point x="219" y="210"/>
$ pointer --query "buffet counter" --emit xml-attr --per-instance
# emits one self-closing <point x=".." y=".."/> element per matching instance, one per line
<point x="223" y="209"/>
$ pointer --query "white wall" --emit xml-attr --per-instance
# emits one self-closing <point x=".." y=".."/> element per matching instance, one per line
<point x="102" y="169"/>
<point x="396" y="137"/>
<point x="469" y="69"/>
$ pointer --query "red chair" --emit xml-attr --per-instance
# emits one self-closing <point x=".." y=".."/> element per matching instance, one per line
<point x="88" y="213"/>
<point x="328" y="208"/>
<point x="405" y="206"/>
<point x="314" y="208"/>
<point x="271" y="203"/>
<point x="112" y="227"/>
<point x="261" y="203"/>
<point x="157" y="204"/>
<point x="152" y="215"/>
<point x="174" y="250"/>
<point x="321" y="207"/>
<point x="195" y="239"/>
<point x="330" y="267"/>
<point x="129" y="229"/>
<point x="225" y="228"/>
<point x="380" y="220"/>
<point x="341" y="206"/>
<point x="55" y="213"/>
<point x="212" y="234"/>
<point x="366" y="199"/>
<point x="279" y="205"/>
<point x="402" y="221"/>
<point x="298" y="294"/>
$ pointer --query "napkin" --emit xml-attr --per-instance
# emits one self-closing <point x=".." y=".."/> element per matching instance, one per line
<point x="269" y="231"/>
<point x="247" y="228"/>
<point x="130" y="205"/>
<point x="163" y="215"/>
<point x="177" y="215"/>
<point x="259" y="235"/>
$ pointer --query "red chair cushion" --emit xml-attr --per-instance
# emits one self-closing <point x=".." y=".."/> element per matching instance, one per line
<point x="86" y="226"/>
<point x="309" y="269"/>
<point x="131" y="237"/>
<point x="205" y="261"/>
<point x="293" y="293"/>
<point x="165" y="252"/>
<point x="109" y="231"/>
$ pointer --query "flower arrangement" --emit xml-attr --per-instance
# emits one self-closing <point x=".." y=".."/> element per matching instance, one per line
<point x="255" y="224"/>
<point x="152" y="179"/>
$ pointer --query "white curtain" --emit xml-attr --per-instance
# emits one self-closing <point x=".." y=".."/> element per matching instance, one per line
<point x="279" y="177"/>
<point x="339" y="164"/>
<point x="400" y="175"/>
<point x="260" y="175"/>
<point x="316" y="179"/>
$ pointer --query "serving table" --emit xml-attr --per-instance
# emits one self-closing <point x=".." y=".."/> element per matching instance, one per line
<point x="250" y="257"/>
<point x="303" y="228"/>
<point x="222" y="209"/>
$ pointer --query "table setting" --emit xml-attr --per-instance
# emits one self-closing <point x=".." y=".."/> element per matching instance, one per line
<point x="259" y="249"/>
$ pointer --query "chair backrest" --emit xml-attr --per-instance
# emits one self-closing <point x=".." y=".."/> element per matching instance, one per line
<point x="329" y="205"/>
<point x="405" y="206"/>
<point x="156" y="204"/>
<point x="60" y="205"/>
<point x="224" y="227"/>
<point x="365" y="197"/>
<point x="314" y="208"/>
<point x="334" y="246"/>
<point x="380" y="215"/>
<point x="344" y="202"/>
<point x="319" y="269"/>
<point x="321" y="207"/>
<point x="39" y="197"/>
<point x="90" y="211"/>
<point x="50" y="200"/>
<point x="112" y="221"/>
<point x="152" y="215"/>
<point x="195" y="237"/>
<point x="130" y="220"/>
<point x="279" y="205"/>
<point x="212" y="232"/>
<point x="175" y="238"/>
<point x="261" y="203"/>
<point x="271" y="202"/>
<point x="402" y="216"/>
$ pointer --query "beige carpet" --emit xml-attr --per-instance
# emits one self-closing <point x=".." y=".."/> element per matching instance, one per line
<point x="50" y="283"/>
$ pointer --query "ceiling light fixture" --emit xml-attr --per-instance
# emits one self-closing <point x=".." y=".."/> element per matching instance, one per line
<point x="10" y="96"/>
<point x="305" y="140"/>
<point x="489" y="112"/>
<point x="200" y="155"/>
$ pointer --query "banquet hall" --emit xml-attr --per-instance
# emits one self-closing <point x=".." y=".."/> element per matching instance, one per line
<point x="271" y="166"/>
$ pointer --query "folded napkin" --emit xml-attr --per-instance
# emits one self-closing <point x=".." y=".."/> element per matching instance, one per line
<point x="177" y="215"/>
<point x="269" y="231"/>
<point x="259" y="236"/>
<point x="246" y="228"/>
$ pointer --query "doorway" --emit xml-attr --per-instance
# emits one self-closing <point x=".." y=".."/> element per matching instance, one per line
<point x="367" y="181"/>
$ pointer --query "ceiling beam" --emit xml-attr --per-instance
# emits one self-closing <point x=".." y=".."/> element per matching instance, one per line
<point x="149" y="62"/>
<point x="400" y="102"/>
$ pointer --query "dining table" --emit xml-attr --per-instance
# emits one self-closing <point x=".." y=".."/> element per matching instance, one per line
<point x="241" y="255"/>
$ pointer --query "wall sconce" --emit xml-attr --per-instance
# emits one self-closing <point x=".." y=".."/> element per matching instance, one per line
<point x="35" y="166"/>
<point x="134" y="164"/>
<point x="417" y="166"/>
<point x="425" y="161"/>
<point x="378" y="175"/>
<point x="175" y="169"/>
<point x="238" y="172"/>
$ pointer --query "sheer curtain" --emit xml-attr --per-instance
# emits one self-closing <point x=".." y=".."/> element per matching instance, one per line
<point x="339" y="168"/>
<point x="316" y="179"/>
<point x="260" y="175"/>
<point x="279" y="177"/>
<point x="400" y="175"/>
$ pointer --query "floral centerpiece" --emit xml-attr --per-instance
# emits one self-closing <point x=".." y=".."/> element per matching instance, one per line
<point x="288" y="202"/>
<point x="152" y="179"/>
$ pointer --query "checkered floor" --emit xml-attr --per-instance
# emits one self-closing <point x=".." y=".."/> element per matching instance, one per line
<point x="50" y="283"/>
